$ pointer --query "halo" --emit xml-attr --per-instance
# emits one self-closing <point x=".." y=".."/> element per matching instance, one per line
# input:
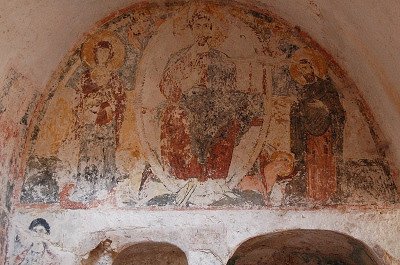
<point x="88" y="49"/>
<point x="220" y="24"/>
<point x="317" y="61"/>
<point x="281" y="155"/>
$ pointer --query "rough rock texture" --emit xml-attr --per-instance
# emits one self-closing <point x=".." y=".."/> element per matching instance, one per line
<point x="202" y="105"/>
<point x="151" y="253"/>
<point x="17" y="98"/>
<point x="360" y="35"/>
<point x="303" y="247"/>
<point x="183" y="106"/>
<point x="204" y="235"/>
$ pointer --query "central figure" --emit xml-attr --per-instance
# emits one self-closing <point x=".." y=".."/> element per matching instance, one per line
<point x="206" y="114"/>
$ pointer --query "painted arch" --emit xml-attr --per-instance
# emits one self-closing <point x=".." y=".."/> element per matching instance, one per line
<point x="203" y="105"/>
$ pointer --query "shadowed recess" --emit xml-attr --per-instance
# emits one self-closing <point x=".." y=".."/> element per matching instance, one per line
<point x="298" y="247"/>
<point x="151" y="253"/>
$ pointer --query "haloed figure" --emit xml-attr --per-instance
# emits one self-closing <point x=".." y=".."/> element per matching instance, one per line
<point x="100" y="109"/>
<point x="38" y="253"/>
<point x="206" y="115"/>
<point x="317" y="122"/>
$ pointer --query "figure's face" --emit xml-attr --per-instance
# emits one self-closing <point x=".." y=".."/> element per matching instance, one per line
<point x="282" y="164"/>
<point x="202" y="30"/>
<point x="38" y="236"/>
<point x="307" y="70"/>
<point x="103" y="55"/>
<point x="39" y="230"/>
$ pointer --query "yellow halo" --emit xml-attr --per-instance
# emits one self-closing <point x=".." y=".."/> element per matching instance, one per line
<point x="285" y="156"/>
<point x="118" y="49"/>
<point x="317" y="61"/>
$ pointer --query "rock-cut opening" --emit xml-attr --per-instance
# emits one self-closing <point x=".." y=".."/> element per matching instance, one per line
<point x="303" y="247"/>
<point x="149" y="253"/>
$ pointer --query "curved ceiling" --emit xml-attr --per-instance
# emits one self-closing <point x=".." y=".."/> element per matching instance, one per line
<point x="303" y="247"/>
<point x="359" y="34"/>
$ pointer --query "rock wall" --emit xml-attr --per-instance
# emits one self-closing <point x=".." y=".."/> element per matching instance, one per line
<point x="203" y="105"/>
<point x="206" y="237"/>
<point x="186" y="106"/>
<point x="17" y="99"/>
<point x="303" y="247"/>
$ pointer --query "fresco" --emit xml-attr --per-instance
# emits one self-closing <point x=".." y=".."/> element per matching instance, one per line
<point x="203" y="105"/>
<point x="102" y="254"/>
<point x="37" y="249"/>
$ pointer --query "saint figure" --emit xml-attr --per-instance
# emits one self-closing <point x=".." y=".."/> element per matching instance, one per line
<point x="38" y="253"/>
<point x="205" y="114"/>
<point x="100" y="110"/>
<point x="317" y="122"/>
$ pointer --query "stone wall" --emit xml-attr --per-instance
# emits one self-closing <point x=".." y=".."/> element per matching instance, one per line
<point x="209" y="237"/>
<point x="4" y="214"/>
<point x="202" y="105"/>
<point x="303" y="247"/>
<point x="192" y="123"/>
<point x="17" y="99"/>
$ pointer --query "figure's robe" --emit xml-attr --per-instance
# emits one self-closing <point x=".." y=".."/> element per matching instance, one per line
<point x="317" y="122"/>
<point x="201" y="129"/>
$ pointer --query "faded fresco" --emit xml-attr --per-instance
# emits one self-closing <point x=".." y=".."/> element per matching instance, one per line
<point x="102" y="254"/>
<point x="203" y="105"/>
<point x="34" y="246"/>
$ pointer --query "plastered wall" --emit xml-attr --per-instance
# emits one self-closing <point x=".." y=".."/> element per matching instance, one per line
<point x="206" y="237"/>
<point x="191" y="106"/>
<point x="202" y="105"/>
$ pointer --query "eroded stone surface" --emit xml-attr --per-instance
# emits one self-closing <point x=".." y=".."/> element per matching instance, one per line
<point x="215" y="234"/>
<point x="202" y="105"/>
<point x="304" y="247"/>
<point x="151" y="253"/>
<point x="189" y="105"/>
<point x="17" y="99"/>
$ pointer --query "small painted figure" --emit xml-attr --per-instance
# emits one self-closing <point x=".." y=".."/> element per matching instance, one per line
<point x="103" y="254"/>
<point x="317" y="122"/>
<point x="38" y="253"/>
<point x="273" y="169"/>
<point x="100" y="110"/>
